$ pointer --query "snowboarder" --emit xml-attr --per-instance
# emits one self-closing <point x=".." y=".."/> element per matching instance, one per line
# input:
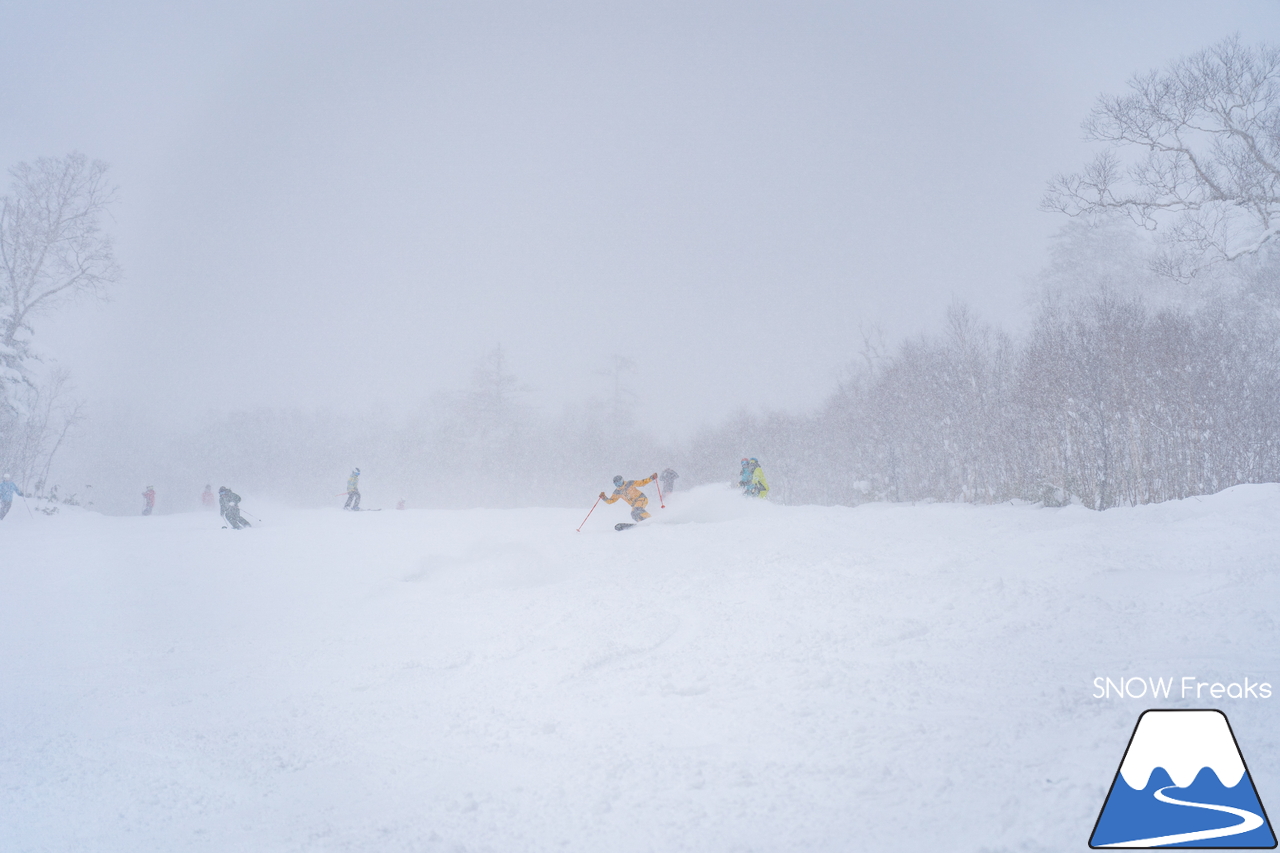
<point x="759" y="487"/>
<point x="353" y="491"/>
<point x="8" y="489"/>
<point x="629" y="491"/>
<point x="229" y="503"/>
<point x="667" y="479"/>
<point x="150" y="497"/>
<point x="206" y="498"/>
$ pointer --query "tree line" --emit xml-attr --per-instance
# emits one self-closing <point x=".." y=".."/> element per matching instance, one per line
<point x="1149" y="372"/>
<point x="1104" y="402"/>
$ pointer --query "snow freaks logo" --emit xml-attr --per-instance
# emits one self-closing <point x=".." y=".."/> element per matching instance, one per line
<point x="1182" y="783"/>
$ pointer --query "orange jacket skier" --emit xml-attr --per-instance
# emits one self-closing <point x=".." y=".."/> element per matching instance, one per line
<point x="629" y="491"/>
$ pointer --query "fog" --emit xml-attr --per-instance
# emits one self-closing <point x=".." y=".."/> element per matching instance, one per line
<point x="343" y="209"/>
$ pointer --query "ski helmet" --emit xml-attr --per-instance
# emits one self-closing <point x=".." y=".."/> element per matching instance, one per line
<point x="357" y="471"/>
<point x="618" y="481"/>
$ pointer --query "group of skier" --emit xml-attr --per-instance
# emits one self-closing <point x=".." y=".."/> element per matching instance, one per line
<point x="228" y="503"/>
<point x="751" y="481"/>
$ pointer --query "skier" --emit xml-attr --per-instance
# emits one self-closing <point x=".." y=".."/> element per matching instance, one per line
<point x="8" y="489"/>
<point x="744" y="476"/>
<point x="629" y="491"/>
<point x="759" y="487"/>
<point x="150" y="497"/>
<point x="353" y="491"/>
<point x="229" y="503"/>
<point x="206" y="498"/>
<point x="668" y="480"/>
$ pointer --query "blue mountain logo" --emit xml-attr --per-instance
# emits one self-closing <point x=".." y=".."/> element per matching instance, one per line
<point x="1183" y="783"/>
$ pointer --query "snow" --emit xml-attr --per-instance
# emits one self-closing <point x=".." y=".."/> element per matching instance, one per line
<point x="1183" y="743"/>
<point x="730" y="676"/>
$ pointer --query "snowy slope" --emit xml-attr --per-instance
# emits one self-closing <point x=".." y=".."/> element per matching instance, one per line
<point x="732" y="676"/>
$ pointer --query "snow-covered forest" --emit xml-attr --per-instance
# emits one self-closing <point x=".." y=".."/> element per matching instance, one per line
<point x="1144" y="368"/>
<point x="1107" y="400"/>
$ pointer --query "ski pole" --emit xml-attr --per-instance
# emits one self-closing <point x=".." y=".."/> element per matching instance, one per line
<point x="593" y="509"/>
<point x="661" y="503"/>
<point x="28" y="506"/>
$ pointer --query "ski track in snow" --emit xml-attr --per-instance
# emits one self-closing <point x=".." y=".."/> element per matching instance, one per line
<point x="1248" y="822"/>
<point x="730" y="676"/>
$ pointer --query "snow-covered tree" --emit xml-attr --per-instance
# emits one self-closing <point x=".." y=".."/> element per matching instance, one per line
<point x="52" y="246"/>
<point x="52" y="249"/>
<point x="1193" y="150"/>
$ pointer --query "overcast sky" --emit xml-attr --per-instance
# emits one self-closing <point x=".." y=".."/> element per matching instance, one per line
<point x="348" y="204"/>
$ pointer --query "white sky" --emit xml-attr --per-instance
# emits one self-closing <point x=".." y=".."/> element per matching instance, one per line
<point x="348" y="204"/>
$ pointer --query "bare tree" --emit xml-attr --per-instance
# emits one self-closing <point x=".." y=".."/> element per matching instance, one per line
<point x="1196" y="148"/>
<point x="28" y="443"/>
<point x="52" y="248"/>
<point x="622" y="398"/>
<point x="492" y="402"/>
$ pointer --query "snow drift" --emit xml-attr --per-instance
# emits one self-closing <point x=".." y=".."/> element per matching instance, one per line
<point x="730" y="676"/>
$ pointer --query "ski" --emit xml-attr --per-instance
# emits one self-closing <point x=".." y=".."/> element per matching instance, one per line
<point x="622" y="525"/>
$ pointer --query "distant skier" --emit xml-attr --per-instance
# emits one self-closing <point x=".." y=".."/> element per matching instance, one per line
<point x="759" y="487"/>
<point x="353" y="491"/>
<point x="150" y="497"/>
<point x="206" y="499"/>
<point x="400" y="504"/>
<point x="8" y="489"/>
<point x="667" y="479"/>
<point x="629" y="491"/>
<point x="229" y="503"/>
<point x="744" y="476"/>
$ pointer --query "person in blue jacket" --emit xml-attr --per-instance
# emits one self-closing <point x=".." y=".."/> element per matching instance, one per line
<point x="353" y="491"/>
<point x="8" y="489"/>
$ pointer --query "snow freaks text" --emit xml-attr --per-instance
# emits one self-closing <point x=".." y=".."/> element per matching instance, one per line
<point x="1186" y="687"/>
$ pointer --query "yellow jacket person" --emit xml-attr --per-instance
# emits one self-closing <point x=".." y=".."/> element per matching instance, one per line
<point x="629" y="491"/>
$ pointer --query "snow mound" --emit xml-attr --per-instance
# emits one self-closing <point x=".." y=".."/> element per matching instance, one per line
<point x="714" y="502"/>
<point x="40" y="514"/>
<point x="486" y="565"/>
<point x="733" y="675"/>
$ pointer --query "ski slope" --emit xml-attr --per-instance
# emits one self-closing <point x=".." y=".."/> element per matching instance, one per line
<point x="730" y="676"/>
